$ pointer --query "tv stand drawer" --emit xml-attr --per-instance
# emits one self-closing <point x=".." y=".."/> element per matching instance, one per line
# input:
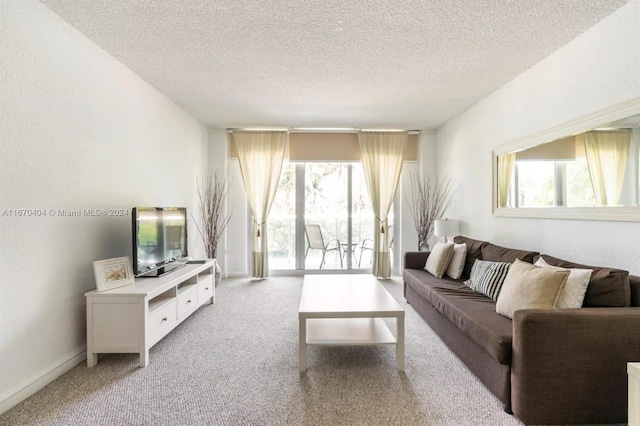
<point x="205" y="287"/>
<point x="187" y="300"/>
<point x="162" y="321"/>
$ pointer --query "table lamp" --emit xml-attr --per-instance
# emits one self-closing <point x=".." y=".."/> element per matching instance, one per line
<point x="445" y="228"/>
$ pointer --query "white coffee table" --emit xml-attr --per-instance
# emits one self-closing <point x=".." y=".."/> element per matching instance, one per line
<point x="347" y="310"/>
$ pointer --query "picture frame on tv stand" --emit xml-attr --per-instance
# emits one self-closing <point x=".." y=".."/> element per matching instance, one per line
<point x="113" y="273"/>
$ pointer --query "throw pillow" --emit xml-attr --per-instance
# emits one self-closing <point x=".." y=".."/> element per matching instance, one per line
<point x="478" y="269"/>
<point x="530" y="287"/>
<point x="607" y="286"/>
<point x="487" y="277"/>
<point x="439" y="259"/>
<point x="456" y="266"/>
<point x="572" y="295"/>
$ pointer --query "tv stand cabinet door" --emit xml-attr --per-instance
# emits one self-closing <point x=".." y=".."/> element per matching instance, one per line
<point x="115" y="324"/>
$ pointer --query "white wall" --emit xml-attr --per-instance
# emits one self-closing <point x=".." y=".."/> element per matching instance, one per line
<point x="428" y="152"/>
<point x="238" y="244"/>
<point x="233" y="249"/>
<point x="427" y="166"/>
<point x="408" y="239"/>
<point x="597" y="70"/>
<point x="218" y="158"/>
<point x="77" y="130"/>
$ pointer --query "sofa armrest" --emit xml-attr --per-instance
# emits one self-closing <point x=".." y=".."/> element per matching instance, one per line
<point x="415" y="259"/>
<point x="570" y="365"/>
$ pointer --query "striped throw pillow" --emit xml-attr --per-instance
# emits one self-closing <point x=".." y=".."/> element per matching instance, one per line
<point x="487" y="277"/>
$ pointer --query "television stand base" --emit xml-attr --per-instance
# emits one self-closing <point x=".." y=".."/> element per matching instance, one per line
<point x="157" y="273"/>
<point x="133" y="318"/>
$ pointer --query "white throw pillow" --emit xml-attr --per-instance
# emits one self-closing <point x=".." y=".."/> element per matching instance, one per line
<point x="456" y="266"/>
<point x="439" y="259"/>
<point x="572" y="295"/>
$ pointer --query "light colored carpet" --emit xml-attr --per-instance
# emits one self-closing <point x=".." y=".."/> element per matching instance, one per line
<point x="235" y="363"/>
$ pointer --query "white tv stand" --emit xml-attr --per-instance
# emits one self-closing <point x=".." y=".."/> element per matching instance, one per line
<point x="133" y="318"/>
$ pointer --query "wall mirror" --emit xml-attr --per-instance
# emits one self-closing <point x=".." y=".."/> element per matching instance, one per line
<point x="586" y="169"/>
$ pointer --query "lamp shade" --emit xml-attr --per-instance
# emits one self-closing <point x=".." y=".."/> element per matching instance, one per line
<point x="445" y="228"/>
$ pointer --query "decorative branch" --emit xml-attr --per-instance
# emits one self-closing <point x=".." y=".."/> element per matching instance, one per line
<point x="428" y="201"/>
<point x="212" y="192"/>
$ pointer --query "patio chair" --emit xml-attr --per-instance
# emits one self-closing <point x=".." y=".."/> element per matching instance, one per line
<point x="367" y="244"/>
<point x="316" y="242"/>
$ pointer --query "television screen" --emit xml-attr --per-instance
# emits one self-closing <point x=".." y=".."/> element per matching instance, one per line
<point x="159" y="237"/>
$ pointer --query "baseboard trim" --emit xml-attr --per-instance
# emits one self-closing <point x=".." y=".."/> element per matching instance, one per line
<point x="299" y="272"/>
<point x="235" y="275"/>
<point x="43" y="380"/>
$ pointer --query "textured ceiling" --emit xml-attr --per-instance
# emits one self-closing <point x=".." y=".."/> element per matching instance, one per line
<point x="330" y="63"/>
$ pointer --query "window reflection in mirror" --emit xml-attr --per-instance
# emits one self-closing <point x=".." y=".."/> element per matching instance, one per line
<point x="592" y="169"/>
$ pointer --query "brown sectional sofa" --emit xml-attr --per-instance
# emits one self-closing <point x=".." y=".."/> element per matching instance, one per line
<point x="547" y="366"/>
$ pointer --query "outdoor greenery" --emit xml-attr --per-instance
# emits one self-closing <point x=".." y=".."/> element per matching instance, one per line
<point x="325" y="193"/>
<point x="579" y="188"/>
<point x="537" y="183"/>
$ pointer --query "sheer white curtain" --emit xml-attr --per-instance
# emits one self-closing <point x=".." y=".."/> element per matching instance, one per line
<point x="260" y="155"/>
<point x="506" y="164"/>
<point x="382" y="155"/>
<point x="607" y="156"/>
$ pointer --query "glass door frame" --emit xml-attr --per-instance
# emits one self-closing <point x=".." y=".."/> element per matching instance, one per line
<point x="300" y="235"/>
<point x="300" y="184"/>
<point x="301" y="219"/>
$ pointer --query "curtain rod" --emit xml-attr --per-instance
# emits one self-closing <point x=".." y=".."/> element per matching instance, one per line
<point x="316" y="130"/>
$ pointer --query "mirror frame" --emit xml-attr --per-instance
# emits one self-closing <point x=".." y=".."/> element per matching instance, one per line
<point x="580" y="125"/>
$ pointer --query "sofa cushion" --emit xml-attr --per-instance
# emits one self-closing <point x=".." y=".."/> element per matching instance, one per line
<point x="426" y="285"/>
<point x="474" y="314"/>
<point x="439" y="259"/>
<point x="504" y="254"/>
<point x="608" y="287"/>
<point x="474" y="251"/>
<point x="530" y="287"/>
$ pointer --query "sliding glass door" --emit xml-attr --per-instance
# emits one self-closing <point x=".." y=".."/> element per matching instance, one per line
<point x="321" y="219"/>
<point x="326" y="215"/>
<point x="281" y="226"/>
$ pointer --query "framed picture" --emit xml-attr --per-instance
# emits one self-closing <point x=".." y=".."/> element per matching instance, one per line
<point x="113" y="273"/>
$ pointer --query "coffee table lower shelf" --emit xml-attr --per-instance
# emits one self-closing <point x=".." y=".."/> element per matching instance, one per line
<point x="347" y="310"/>
<point x="348" y="332"/>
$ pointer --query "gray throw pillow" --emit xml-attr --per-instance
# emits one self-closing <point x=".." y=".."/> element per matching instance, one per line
<point x="487" y="277"/>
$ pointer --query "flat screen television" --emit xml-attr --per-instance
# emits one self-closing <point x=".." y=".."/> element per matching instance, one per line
<point x="159" y="239"/>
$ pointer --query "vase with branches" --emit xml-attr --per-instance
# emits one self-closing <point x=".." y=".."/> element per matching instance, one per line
<point x="212" y="189"/>
<point x="428" y="201"/>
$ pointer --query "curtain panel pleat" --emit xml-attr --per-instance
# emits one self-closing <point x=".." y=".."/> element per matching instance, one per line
<point x="260" y="155"/>
<point x="607" y="155"/>
<point x="382" y="155"/>
<point x="506" y="165"/>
